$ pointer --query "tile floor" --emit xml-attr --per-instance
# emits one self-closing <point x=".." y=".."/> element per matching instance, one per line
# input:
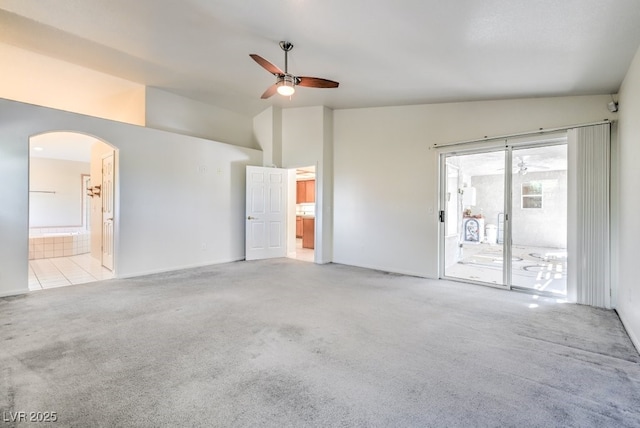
<point x="63" y="271"/>
<point x="80" y="269"/>
<point x="304" y="254"/>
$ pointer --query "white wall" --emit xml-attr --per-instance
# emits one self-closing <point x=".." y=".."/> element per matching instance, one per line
<point x="628" y="177"/>
<point x="180" y="199"/>
<point x="325" y="188"/>
<point x="175" y="113"/>
<point x="302" y="136"/>
<point x="63" y="207"/>
<point x="41" y="80"/>
<point x="267" y="131"/>
<point x="386" y="175"/>
<point x="37" y="79"/>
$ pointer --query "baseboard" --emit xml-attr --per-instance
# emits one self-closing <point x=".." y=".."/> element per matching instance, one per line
<point x="14" y="293"/>
<point x="630" y="333"/>
<point x="176" y="268"/>
<point x="383" y="269"/>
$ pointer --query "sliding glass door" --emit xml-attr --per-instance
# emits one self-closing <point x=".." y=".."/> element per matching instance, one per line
<point x="539" y="219"/>
<point x="474" y="202"/>
<point x="506" y="204"/>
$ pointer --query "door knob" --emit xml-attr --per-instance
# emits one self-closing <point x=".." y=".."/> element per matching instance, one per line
<point x="251" y="218"/>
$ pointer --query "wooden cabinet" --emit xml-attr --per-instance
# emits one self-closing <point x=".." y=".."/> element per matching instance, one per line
<point x="308" y="232"/>
<point x="305" y="191"/>
<point x="305" y="227"/>
<point x="310" y="190"/>
<point x="301" y="192"/>
<point x="298" y="227"/>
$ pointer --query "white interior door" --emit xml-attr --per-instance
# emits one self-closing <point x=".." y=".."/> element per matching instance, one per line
<point x="108" y="176"/>
<point x="266" y="213"/>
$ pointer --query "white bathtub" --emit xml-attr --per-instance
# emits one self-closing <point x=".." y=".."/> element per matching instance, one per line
<point x="44" y="245"/>
<point x="56" y="234"/>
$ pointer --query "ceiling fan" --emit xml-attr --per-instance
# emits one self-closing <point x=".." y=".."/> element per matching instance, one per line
<point x="286" y="82"/>
<point x="522" y="167"/>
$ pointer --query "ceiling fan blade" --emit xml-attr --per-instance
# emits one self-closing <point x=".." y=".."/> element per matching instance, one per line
<point x="316" y="82"/>
<point x="270" y="91"/>
<point x="266" y="64"/>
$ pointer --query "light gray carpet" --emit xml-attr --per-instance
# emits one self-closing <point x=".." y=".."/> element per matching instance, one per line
<point x="286" y="343"/>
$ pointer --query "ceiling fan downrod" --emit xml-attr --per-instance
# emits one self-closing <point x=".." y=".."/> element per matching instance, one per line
<point x="286" y="47"/>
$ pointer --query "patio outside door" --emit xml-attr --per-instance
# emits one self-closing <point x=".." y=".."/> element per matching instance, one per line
<point x="539" y="219"/>
<point x="473" y="194"/>
<point x="507" y="205"/>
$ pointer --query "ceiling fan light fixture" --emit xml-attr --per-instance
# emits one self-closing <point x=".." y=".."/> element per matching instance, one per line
<point x="286" y="87"/>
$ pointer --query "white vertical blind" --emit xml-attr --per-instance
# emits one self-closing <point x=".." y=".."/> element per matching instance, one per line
<point x="589" y="261"/>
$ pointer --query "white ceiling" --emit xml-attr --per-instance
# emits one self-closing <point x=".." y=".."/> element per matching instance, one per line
<point x="62" y="145"/>
<point x="382" y="52"/>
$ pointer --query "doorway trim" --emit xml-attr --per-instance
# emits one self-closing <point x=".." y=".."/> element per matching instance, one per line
<point x="292" y="210"/>
<point x="116" y="190"/>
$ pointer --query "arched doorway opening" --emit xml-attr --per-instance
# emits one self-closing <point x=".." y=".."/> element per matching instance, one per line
<point x="71" y="209"/>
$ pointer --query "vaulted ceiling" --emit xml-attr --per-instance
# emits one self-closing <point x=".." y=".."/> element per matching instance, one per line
<point x="382" y="52"/>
